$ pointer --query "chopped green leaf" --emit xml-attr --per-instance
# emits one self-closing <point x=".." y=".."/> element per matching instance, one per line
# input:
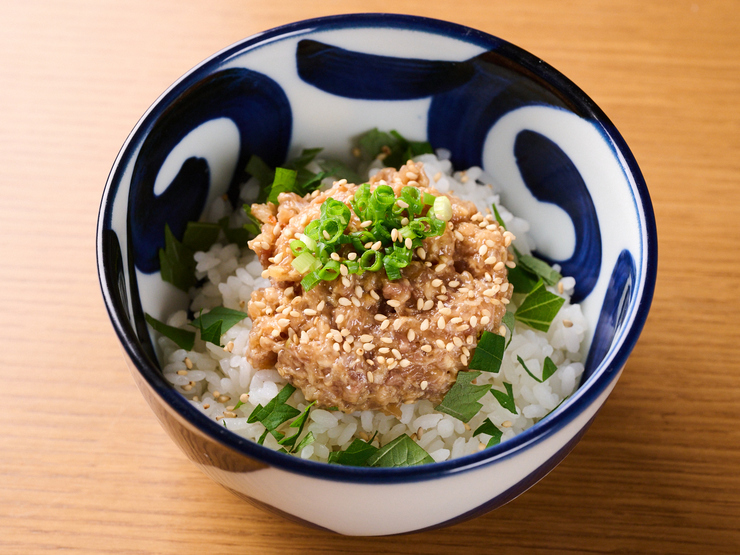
<point x="251" y="226"/>
<point x="238" y="405"/>
<point x="402" y="451"/>
<point x="339" y="170"/>
<point x="461" y="400"/>
<point x="183" y="338"/>
<point x="238" y="235"/>
<point x="176" y="262"/>
<point x="510" y="322"/>
<point x="284" y="182"/>
<point x="264" y="174"/>
<point x="395" y="148"/>
<point x="489" y="353"/>
<point x="212" y="333"/>
<point x="228" y="317"/>
<point x="308" y="440"/>
<point x="275" y="413"/>
<point x="356" y="454"/>
<point x="199" y="236"/>
<point x="499" y="219"/>
<point x="492" y="430"/>
<point x="548" y="370"/>
<point x="539" y="268"/>
<point x="539" y="308"/>
<point x="297" y="423"/>
<point x="521" y="280"/>
<point x="506" y="400"/>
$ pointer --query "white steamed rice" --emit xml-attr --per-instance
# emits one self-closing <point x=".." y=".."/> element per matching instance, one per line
<point x="217" y="378"/>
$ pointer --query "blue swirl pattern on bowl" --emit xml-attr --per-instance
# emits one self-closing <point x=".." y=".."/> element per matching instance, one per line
<point x="557" y="159"/>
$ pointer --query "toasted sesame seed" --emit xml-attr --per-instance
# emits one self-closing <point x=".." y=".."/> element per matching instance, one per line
<point x="387" y="340"/>
<point x="340" y="318"/>
<point x="567" y="323"/>
<point x="335" y="256"/>
<point x="368" y="244"/>
<point x="441" y="322"/>
<point x="404" y="363"/>
<point x="370" y="362"/>
<point x="464" y="327"/>
<point x="506" y="424"/>
<point x="469" y="340"/>
<point x="429" y="304"/>
<point x="374" y="295"/>
<point x="442" y="297"/>
<point x="450" y="346"/>
<point x="561" y="287"/>
<point x="366" y="338"/>
<point x="345" y="281"/>
<point x="392" y="364"/>
<point x="405" y="221"/>
<point x="419" y="304"/>
<point x="385" y="324"/>
<point x="445" y="310"/>
<point x="473" y="321"/>
<point x="424" y="325"/>
<point x="397" y="324"/>
<point x="368" y="346"/>
<point x="394" y="303"/>
<point x="343" y="270"/>
<point x="336" y="347"/>
<point x="409" y="243"/>
<point x="505" y="301"/>
<point x="344" y="332"/>
<point x="350" y="339"/>
<point x="356" y="302"/>
<point x="436" y="282"/>
<point x="421" y="253"/>
<point x="326" y="235"/>
<point x="344" y="301"/>
<point x="381" y="360"/>
<point x="384" y="350"/>
<point x="476" y="217"/>
<point x="376" y="246"/>
<point x="485" y="320"/>
<point x="366" y="223"/>
<point x="498" y="266"/>
<point x="426" y="348"/>
<point x="359" y="352"/>
<point x="295" y="313"/>
<point x="370" y="376"/>
<point x="457" y="341"/>
<point x="439" y="268"/>
<point x="320" y="306"/>
<point x="489" y="292"/>
<point x="380" y="317"/>
<point x="396" y="353"/>
<point x="275" y="332"/>
<point x="411" y="335"/>
<point x="182" y="372"/>
<point x="459" y="236"/>
<point x="440" y="343"/>
<point x="423" y="386"/>
<point x="483" y="250"/>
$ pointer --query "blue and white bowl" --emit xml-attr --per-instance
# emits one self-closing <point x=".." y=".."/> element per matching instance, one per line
<point x="561" y="165"/>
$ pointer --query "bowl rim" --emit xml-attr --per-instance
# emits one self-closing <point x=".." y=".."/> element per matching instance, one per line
<point x="571" y="408"/>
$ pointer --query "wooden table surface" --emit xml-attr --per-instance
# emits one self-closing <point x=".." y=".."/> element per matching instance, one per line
<point x="85" y="467"/>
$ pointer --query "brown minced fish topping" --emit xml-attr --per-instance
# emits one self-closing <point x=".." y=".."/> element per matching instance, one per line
<point x="364" y="342"/>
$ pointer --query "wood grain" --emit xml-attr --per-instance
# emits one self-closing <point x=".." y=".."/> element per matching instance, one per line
<point x="85" y="467"/>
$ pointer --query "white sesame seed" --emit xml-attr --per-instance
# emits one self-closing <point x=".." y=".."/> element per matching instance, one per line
<point x="426" y="348"/>
<point x="490" y="260"/>
<point x="344" y="301"/>
<point x="347" y="347"/>
<point x="404" y="363"/>
<point x="424" y="325"/>
<point x="440" y="343"/>
<point x="368" y="346"/>
<point x="370" y="377"/>
<point x="456" y="320"/>
<point x="366" y="338"/>
<point x="454" y="283"/>
<point x="356" y="302"/>
<point x="282" y="322"/>
<point x="464" y="360"/>
<point x="459" y="236"/>
<point x="295" y="313"/>
<point x="396" y="353"/>
<point x="343" y="270"/>
<point x="436" y="282"/>
<point x="336" y="347"/>
<point x="424" y="385"/>
<point x="506" y="424"/>
<point x="386" y="340"/>
<point x="344" y="332"/>
<point x="384" y="350"/>
<point x="411" y="335"/>
<point x="380" y="317"/>
<point x="320" y="306"/>
<point x="381" y="360"/>
<point x="441" y="322"/>
<point x="366" y="223"/>
<point x="449" y="346"/>
<point x="376" y="246"/>
<point x="446" y="311"/>
<point x="483" y="250"/>
<point x="498" y="266"/>
<point x="420" y="304"/>
<point x="421" y="253"/>
<point x="409" y="243"/>
<point x="469" y="340"/>
<point x="335" y="256"/>
<point x="567" y="323"/>
<point x="429" y="304"/>
<point x="489" y="292"/>
<point x="340" y="319"/>
<point x="309" y="312"/>
<point x="442" y="297"/>
<point x="510" y="264"/>
<point x="346" y="282"/>
<point x="326" y="235"/>
<point x="485" y="320"/>
<point x="374" y="295"/>
<point x="394" y="303"/>
<point x="397" y="324"/>
<point x="457" y="341"/>
<point x="385" y="324"/>
<point x="466" y="351"/>
<point x="439" y="268"/>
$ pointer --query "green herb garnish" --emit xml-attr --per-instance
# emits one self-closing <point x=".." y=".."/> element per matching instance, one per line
<point x="394" y="147"/>
<point x="539" y="268"/>
<point x="521" y="280"/>
<point x="509" y="320"/>
<point x="499" y="219"/>
<point x="492" y="430"/>
<point x="200" y="236"/>
<point x="274" y="413"/>
<point x="357" y="454"/>
<point x="216" y="322"/>
<point x="539" y="308"/>
<point x="506" y="400"/>
<point x="402" y="451"/>
<point x="176" y="263"/>
<point x="461" y="400"/>
<point x="489" y="353"/>
<point x="297" y="423"/>
<point x="548" y="369"/>
<point x="184" y="339"/>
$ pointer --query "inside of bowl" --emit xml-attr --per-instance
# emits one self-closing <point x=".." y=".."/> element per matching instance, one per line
<point x="488" y="103"/>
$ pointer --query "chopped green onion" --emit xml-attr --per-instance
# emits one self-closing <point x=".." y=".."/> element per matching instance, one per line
<point x="371" y="260"/>
<point x="429" y="198"/>
<point x="310" y="280"/>
<point x="298" y="247"/>
<point x="330" y="271"/>
<point x="304" y="262"/>
<point x="310" y="243"/>
<point x="442" y="208"/>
